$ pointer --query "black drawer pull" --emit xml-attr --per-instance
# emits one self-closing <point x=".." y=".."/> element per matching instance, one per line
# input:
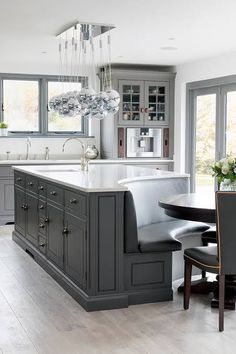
<point x="41" y="188"/>
<point x="24" y="206"/>
<point x="53" y="192"/>
<point x="73" y="201"/>
<point x="43" y="244"/>
<point x="19" y="179"/>
<point x="42" y="226"/>
<point x="41" y="206"/>
<point x="65" y="231"/>
<point x="30" y="184"/>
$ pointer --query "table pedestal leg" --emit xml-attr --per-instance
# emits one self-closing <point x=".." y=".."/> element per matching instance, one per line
<point x="200" y="286"/>
<point x="230" y="293"/>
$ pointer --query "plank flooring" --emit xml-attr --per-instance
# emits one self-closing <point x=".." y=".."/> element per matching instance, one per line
<point x="38" y="316"/>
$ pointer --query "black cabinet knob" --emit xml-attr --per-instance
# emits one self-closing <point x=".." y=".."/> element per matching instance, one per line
<point x="41" y="206"/>
<point x="24" y="206"/>
<point x="30" y="184"/>
<point x="73" y="201"/>
<point x="65" y="231"/>
<point x="41" y="188"/>
<point x="53" y="192"/>
<point x="42" y="226"/>
<point x="43" y="244"/>
<point x="46" y="220"/>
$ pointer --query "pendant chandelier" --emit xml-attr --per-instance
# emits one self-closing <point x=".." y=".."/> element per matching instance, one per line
<point x="77" y="48"/>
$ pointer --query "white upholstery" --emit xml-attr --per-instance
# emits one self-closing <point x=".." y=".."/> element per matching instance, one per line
<point x="146" y="194"/>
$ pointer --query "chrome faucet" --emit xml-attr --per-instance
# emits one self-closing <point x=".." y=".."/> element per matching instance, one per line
<point x="28" y="145"/>
<point x="84" y="161"/>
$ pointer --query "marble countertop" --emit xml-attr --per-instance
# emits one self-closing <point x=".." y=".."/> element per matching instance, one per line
<point x="99" y="178"/>
<point x="98" y="161"/>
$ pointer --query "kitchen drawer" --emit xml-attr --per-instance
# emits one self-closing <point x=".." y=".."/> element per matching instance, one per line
<point x="42" y="188"/>
<point x="55" y="194"/>
<point x="42" y="244"/>
<point x="19" y="179"/>
<point x="31" y="184"/>
<point x="42" y="207"/>
<point x="75" y="202"/>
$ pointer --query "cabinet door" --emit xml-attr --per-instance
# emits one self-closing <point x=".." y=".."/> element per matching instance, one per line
<point x="20" y="211"/>
<point x="132" y="102"/>
<point x="55" y="235"/>
<point x="156" y="103"/>
<point x="32" y="219"/>
<point x="75" y="249"/>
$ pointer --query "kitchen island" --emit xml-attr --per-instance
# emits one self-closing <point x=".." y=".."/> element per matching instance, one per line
<point x="72" y="223"/>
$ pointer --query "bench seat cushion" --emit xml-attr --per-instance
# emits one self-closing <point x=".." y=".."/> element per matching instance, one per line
<point x="161" y="236"/>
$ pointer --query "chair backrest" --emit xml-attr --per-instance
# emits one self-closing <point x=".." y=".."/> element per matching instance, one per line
<point x="226" y="231"/>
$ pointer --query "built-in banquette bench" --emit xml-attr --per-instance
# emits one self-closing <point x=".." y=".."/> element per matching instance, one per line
<point x="151" y="236"/>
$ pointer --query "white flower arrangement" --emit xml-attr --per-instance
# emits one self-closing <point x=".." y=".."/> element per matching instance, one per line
<point x="225" y="169"/>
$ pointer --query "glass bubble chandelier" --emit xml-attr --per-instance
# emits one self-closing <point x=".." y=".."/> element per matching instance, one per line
<point x="77" y="48"/>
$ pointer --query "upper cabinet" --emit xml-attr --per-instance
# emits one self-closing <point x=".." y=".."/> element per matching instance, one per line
<point x="144" y="103"/>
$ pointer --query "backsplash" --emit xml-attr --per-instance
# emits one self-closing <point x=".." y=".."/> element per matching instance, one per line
<point x="15" y="148"/>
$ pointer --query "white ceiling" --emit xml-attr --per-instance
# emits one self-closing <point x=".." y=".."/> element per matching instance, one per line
<point x="201" y="29"/>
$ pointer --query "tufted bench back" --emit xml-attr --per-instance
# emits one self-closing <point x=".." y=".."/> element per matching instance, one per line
<point x="141" y="205"/>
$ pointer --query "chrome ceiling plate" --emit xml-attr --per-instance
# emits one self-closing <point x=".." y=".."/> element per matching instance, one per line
<point x="96" y="28"/>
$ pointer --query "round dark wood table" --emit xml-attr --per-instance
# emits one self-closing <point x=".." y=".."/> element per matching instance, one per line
<point x="200" y="207"/>
<point x="191" y="206"/>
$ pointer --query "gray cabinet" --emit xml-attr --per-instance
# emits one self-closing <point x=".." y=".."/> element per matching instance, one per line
<point x="75" y="249"/>
<point x="20" y="211"/>
<point x="55" y="235"/>
<point x="147" y="100"/>
<point x="144" y="103"/>
<point x="31" y="227"/>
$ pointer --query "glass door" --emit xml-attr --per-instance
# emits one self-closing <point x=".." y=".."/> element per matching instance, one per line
<point x="132" y="102"/>
<point x="156" y="103"/>
<point x="205" y="142"/>
<point x="229" y="104"/>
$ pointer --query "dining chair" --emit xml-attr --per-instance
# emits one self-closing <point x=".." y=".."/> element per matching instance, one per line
<point x="219" y="258"/>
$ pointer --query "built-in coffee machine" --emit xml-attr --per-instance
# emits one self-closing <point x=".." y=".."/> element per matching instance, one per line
<point x="143" y="142"/>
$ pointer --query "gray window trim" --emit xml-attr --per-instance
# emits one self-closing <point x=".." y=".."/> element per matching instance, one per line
<point x="220" y="86"/>
<point x="43" y="108"/>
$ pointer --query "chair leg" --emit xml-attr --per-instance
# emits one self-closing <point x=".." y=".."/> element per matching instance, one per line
<point x="221" y="301"/>
<point x="187" y="283"/>
<point x="203" y="274"/>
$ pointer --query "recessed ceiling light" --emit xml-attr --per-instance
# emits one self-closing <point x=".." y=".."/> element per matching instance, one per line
<point x="171" y="38"/>
<point x="44" y="52"/>
<point x="120" y="56"/>
<point x="168" y="48"/>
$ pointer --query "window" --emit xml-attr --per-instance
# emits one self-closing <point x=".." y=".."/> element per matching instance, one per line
<point x="21" y="105"/>
<point x="24" y="101"/>
<point x="211" y="128"/>
<point x="56" y="122"/>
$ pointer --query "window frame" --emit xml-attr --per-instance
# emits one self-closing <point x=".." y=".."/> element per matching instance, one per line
<point x="43" y="106"/>
<point x="219" y="86"/>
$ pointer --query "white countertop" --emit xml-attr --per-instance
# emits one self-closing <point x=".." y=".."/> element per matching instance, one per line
<point x="99" y="178"/>
<point x="98" y="161"/>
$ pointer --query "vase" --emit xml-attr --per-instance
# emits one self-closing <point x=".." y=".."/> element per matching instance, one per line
<point x="3" y="131"/>
<point x="91" y="152"/>
<point x="228" y="185"/>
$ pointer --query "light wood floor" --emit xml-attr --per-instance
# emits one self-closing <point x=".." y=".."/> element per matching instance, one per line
<point x="38" y="316"/>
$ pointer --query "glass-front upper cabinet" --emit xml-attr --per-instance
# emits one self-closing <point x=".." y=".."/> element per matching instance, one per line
<point x="132" y="102"/>
<point x="156" y="103"/>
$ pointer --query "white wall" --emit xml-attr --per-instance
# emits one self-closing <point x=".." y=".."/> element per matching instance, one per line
<point x="219" y="66"/>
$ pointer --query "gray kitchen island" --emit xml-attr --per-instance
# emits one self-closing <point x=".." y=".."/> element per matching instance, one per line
<point x="76" y="225"/>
